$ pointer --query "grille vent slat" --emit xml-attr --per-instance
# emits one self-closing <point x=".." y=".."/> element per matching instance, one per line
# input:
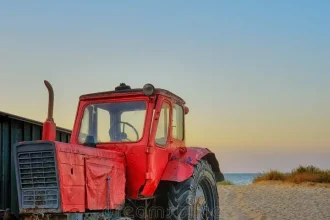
<point x="38" y="179"/>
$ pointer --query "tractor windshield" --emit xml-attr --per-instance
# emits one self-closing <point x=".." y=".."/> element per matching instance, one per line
<point x="113" y="122"/>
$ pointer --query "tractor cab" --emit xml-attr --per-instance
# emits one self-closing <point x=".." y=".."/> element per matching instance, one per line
<point x="146" y="124"/>
<point x="121" y="116"/>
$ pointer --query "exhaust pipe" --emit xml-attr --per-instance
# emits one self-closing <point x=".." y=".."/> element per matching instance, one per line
<point x="49" y="126"/>
<point x="50" y="101"/>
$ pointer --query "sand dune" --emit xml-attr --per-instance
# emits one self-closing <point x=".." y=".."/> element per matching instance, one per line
<point x="274" y="202"/>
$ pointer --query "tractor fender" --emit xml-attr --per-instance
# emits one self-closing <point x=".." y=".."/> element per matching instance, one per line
<point x="181" y="164"/>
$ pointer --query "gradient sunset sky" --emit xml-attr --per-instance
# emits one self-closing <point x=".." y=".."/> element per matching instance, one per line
<point x="255" y="75"/>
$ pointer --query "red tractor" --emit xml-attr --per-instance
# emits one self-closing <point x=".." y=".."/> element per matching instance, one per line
<point x="126" y="159"/>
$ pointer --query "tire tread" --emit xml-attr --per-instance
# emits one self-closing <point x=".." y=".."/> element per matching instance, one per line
<point x="179" y="193"/>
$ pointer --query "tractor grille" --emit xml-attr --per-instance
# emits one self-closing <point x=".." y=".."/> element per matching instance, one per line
<point x="38" y="178"/>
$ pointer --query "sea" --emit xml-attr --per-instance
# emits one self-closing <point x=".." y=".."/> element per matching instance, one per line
<point x="240" y="178"/>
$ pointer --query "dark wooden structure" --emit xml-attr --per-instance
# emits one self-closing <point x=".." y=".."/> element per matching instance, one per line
<point x="14" y="129"/>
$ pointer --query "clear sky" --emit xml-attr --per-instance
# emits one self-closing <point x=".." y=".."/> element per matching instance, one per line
<point x="254" y="74"/>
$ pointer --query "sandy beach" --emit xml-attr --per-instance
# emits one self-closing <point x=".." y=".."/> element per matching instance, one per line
<point x="275" y="202"/>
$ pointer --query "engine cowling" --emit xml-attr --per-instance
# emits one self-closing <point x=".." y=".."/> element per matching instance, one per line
<point x="56" y="177"/>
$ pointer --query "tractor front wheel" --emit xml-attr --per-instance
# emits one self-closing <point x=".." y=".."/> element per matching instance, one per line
<point x="196" y="197"/>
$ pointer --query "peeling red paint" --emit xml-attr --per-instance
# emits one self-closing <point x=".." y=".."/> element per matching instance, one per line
<point x="82" y="175"/>
<point x="180" y="166"/>
<point x="105" y="180"/>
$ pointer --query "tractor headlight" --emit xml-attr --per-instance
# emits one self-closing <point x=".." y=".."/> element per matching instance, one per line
<point x="148" y="89"/>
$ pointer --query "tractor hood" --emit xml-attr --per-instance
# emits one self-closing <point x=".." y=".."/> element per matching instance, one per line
<point x="58" y="177"/>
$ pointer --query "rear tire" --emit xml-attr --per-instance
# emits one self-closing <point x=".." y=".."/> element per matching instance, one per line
<point x="196" y="197"/>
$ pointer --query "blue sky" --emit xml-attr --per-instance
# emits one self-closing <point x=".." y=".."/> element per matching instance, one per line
<point x="255" y="75"/>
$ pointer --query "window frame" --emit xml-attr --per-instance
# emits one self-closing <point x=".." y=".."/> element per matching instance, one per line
<point x="169" y="130"/>
<point x="109" y="101"/>
<point x="183" y="122"/>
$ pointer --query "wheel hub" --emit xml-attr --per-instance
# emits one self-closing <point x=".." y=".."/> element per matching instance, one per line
<point x="201" y="209"/>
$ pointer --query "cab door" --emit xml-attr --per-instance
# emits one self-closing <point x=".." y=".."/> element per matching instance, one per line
<point x="160" y="144"/>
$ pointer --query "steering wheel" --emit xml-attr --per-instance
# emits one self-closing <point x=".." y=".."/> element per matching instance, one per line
<point x="123" y="135"/>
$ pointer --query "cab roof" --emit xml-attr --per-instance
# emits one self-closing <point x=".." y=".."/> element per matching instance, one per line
<point x="124" y="89"/>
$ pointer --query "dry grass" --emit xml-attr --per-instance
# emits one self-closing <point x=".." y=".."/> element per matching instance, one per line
<point x="271" y="175"/>
<point x="310" y="174"/>
<point x="226" y="183"/>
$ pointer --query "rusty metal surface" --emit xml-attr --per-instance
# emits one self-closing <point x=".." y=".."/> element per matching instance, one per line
<point x="50" y="101"/>
<point x="49" y="126"/>
<point x="113" y="215"/>
<point x="42" y="216"/>
<point x="39" y="211"/>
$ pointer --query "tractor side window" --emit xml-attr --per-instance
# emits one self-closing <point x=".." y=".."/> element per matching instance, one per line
<point x="177" y="124"/>
<point x="163" y="124"/>
<point x="103" y="125"/>
<point x="85" y="125"/>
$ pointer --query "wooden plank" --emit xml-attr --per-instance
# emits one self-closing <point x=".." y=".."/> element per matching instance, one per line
<point x="36" y="132"/>
<point x="1" y="165"/>
<point x="5" y="164"/>
<point x="17" y="128"/>
<point x="27" y="132"/>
